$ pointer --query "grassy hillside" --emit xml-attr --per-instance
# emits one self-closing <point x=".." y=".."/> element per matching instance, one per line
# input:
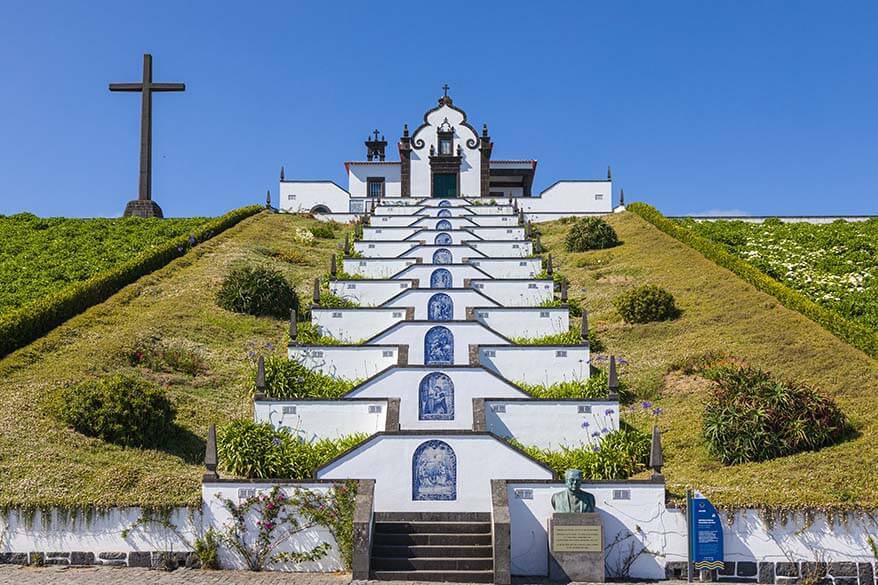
<point x="44" y="463"/>
<point x="722" y="313"/>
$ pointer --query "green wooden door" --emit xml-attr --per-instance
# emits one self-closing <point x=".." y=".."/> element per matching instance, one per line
<point x="445" y="185"/>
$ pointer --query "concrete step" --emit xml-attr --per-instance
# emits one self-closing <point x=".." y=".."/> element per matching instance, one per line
<point x="451" y="550"/>
<point x="442" y="576"/>
<point x="408" y="527"/>
<point x="432" y="564"/>
<point x="432" y="517"/>
<point x="428" y="539"/>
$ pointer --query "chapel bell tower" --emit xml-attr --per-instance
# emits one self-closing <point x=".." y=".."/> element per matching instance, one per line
<point x="375" y="147"/>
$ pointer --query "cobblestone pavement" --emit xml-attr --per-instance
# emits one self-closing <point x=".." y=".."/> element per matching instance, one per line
<point x="14" y="575"/>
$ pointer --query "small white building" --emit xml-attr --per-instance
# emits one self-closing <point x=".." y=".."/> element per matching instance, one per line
<point x="444" y="157"/>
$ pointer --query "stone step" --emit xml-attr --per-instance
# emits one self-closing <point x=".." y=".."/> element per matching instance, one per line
<point x="416" y="551"/>
<point x="432" y="564"/>
<point x="432" y="517"/>
<point x="428" y="539"/>
<point x="442" y="576"/>
<point x="407" y="527"/>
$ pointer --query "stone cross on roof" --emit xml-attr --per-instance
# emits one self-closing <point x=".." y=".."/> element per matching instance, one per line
<point x="144" y="206"/>
<point x="445" y="89"/>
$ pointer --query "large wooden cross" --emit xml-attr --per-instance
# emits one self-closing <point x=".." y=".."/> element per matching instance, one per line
<point x="146" y="87"/>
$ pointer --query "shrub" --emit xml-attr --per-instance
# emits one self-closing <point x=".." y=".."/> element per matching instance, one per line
<point x="26" y="324"/>
<point x="331" y="301"/>
<point x="123" y="409"/>
<point x="255" y="290"/>
<point x="854" y="333"/>
<point x="285" y="378"/>
<point x="749" y="416"/>
<point x="645" y="304"/>
<point x="590" y="233"/>
<point x="323" y="231"/>
<point x="259" y="451"/>
<point x="620" y="454"/>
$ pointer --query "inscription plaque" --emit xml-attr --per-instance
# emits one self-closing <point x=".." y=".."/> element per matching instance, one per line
<point x="577" y="539"/>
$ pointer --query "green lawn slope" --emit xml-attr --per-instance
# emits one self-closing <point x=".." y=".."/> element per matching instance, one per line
<point x="43" y="463"/>
<point x="723" y="313"/>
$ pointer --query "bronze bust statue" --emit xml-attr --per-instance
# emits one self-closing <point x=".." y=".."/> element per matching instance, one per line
<point x="573" y="499"/>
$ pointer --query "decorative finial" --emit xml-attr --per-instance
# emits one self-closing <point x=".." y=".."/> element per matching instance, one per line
<point x="432" y="150"/>
<point x="459" y="150"/>
<point x="538" y="245"/>
<point x="281" y="172"/>
<point x="260" y="375"/>
<point x="294" y="328"/>
<point x="375" y="132"/>
<point x="405" y="130"/>
<point x="609" y="173"/>
<point x="445" y="89"/>
<point x="549" y="270"/>
<point x="485" y="130"/>
<point x="613" y="380"/>
<point x="268" y="199"/>
<point x="583" y="330"/>
<point x="210" y="455"/>
<point x="333" y="268"/>
<point x="621" y="196"/>
<point x="656" y="457"/>
<point x="316" y="297"/>
<point x="347" y="245"/>
<point x="564" y="291"/>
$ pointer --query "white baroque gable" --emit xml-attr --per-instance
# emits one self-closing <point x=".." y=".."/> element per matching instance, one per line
<point x="426" y="137"/>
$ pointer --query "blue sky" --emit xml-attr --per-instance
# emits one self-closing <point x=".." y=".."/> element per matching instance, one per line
<point x="761" y="107"/>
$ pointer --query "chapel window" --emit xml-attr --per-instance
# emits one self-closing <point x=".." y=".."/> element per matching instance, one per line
<point x="375" y="187"/>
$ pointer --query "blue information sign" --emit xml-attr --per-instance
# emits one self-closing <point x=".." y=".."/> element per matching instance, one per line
<point x="705" y="534"/>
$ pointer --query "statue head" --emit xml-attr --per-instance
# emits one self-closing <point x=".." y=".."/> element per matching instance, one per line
<point x="573" y="479"/>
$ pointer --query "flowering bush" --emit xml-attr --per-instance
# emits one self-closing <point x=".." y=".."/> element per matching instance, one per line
<point x="276" y="521"/>
<point x="303" y="236"/>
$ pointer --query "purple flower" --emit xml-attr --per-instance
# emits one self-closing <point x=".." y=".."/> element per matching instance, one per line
<point x="585" y="424"/>
<point x="622" y="361"/>
<point x="657" y="410"/>
<point x="595" y="448"/>
<point x="595" y="434"/>
<point x="605" y="430"/>
<point x="180" y="249"/>
<point x="191" y="240"/>
<point x="276" y="441"/>
<point x="269" y="346"/>
<point x="646" y="405"/>
<point x="609" y="411"/>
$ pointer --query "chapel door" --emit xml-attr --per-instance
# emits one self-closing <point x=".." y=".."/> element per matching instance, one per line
<point x="445" y="185"/>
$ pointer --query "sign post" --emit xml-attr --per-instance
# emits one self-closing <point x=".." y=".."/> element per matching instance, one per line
<point x="705" y="534"/>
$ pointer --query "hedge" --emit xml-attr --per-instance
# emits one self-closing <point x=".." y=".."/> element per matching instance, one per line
<point x="35" y="319"/>
<point x="853" y="333"/>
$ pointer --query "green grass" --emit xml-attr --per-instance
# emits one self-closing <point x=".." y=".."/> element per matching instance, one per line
<point x="39" y="256"/>
<point x="722" y="313"/>
<point x="43" y="463"/>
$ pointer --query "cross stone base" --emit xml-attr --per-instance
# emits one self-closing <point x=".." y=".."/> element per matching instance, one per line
<point x="143" y="208"/>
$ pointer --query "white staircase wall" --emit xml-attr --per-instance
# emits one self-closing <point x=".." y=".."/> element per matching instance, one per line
<point x="355" y="325"/>
<point x="459" y="273"/>
<point x="460" y="298"/>
<point x="516" y="293"/>
<point x="351" y="362"/>
<point x="552" y="424"/>
<point x="368" y="293"/>
<point x="502" y="249"/>
<point x="460" y="254"/>
<point x="371" y="234"/>
<point x="465" y="333"/>
<point x="509" y="267"/>
<point x="376" y="267"/>
<point x="386" y="249"/>
<point x="311" y="420"/>
<point x="480" y="458"/>
<point x="525" y="322"/>
<point x="537" y="364"/>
